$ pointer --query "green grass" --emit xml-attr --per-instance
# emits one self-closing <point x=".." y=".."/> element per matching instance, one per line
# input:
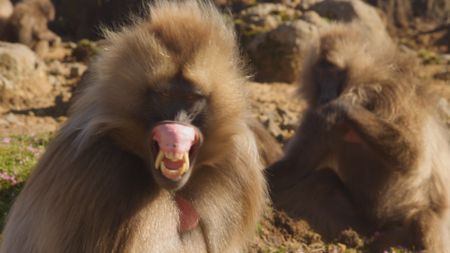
<point x="18" y="155"/>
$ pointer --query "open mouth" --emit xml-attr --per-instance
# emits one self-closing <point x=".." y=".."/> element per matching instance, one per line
<point x="172" y="165"/>
<point x="175" y="145"/>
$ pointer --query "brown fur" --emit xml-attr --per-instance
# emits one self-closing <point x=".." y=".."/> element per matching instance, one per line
<point x="6" y="10"/>
<point x="92" y="190"/>
<point x="28" y="23"/>
<point x="394" y="177"/>
<point x="268" y="147"/>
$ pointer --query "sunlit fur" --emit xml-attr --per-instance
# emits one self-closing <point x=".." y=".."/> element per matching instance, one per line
<point x="395" y="182"/>
<point x="91" y="191"/>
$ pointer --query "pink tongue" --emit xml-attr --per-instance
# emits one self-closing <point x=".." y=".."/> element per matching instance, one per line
<point x="188" y="215"/>
<point x="173" y="165"/>
<point x="174" y="137"/>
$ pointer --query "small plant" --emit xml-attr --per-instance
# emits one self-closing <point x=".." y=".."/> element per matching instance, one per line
<point x="430" y="57"/>
<point x="18" y="155"/>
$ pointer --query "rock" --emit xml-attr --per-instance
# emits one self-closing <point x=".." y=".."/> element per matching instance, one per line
<point x="59" y="51"/>
<point x="262" y="18"/>
<point x="306" y="4"/>
<point x="277" y="55"/>
<point x="275" y="36"/>
<point x="314" y="18"/>
<point x="77" y="70"/>
<point x="290" y="3"/>
<point x="11" y="118"/>
<point x="57" y="68"/>
<point x="22" y="75"/>
<point x="271" y="35"/>
<point x="352" y="10"/>
<point x="234" y="4"/>
<point x="350" y="238"/>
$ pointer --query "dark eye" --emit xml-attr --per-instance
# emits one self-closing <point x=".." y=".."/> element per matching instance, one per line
<point x="193" y="96"/>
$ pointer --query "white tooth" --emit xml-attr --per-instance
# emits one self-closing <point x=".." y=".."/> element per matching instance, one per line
<point x="179" y="156"/>
<point x="159" y="159"/>
<point x="186" y="164"/>
<point x="184" y="169"/>
<point x="171" y="156"/>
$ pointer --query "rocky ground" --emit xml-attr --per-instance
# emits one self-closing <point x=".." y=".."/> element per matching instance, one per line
<point x="42" y="108"/>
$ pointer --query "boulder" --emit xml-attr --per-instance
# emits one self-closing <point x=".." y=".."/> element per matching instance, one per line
<point x="277" y="55"/>
<point x="264" y="17"/>
<point x="23" y="75"/>
<point x="274" y="36"/>
<point x="306" y="4"/>
<point x="352" y="10"/>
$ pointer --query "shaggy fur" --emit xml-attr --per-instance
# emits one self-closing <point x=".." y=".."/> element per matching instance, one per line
<point x="375" y="157"/>
<point x="92" y="190"/>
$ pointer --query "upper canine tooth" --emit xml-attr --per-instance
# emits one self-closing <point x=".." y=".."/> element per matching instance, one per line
<point x="186" y="164"/>
<point x="159" y="159"/>
<point x="183" y="169"/>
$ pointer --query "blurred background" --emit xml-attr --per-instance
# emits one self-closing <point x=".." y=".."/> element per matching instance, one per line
<point x="46" y="47"/>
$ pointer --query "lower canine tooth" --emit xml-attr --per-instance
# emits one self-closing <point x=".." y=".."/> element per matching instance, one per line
<point x="159" y="159"/>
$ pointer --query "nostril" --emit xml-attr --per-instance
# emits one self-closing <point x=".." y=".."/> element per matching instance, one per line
<point x="155" y="147"/>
